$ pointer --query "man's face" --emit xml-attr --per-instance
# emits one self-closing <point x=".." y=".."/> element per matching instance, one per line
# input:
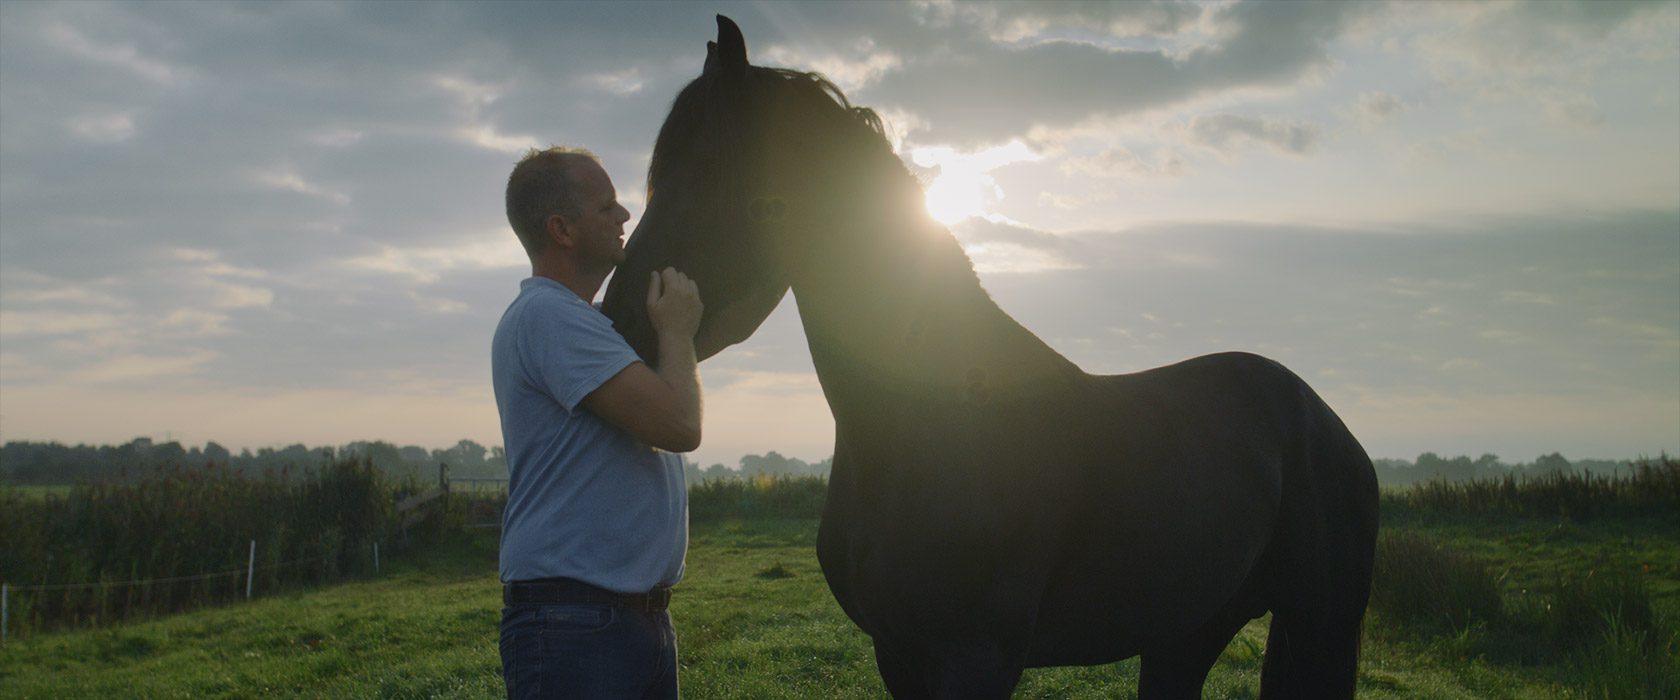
<point x="598" y="229"/>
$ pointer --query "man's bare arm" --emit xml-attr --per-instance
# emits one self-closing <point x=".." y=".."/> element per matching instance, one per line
<point x="660" y="407"/>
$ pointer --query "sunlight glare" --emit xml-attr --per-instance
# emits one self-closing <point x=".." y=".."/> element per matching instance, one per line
<point x="964" y="187"/>
<point x="956" y="195"/>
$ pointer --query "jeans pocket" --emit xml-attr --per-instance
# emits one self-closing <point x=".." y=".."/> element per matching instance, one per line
<point x="576" y="619"/>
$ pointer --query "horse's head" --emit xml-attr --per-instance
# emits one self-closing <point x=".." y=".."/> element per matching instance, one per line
<point x="730" y="189"/>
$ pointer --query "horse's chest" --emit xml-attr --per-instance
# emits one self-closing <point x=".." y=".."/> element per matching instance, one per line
<point x="919" y="549"/>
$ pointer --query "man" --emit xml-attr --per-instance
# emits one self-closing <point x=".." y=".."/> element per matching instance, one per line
<point x="596" y="524"/>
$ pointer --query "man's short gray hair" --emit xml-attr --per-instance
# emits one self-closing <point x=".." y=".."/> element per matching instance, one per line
<point x="541" y="186"/>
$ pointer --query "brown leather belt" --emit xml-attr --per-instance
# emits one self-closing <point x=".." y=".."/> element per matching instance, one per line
<point x="564" y="591"/>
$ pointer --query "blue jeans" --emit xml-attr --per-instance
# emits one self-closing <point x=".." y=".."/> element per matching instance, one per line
<point x="587" y="651"/>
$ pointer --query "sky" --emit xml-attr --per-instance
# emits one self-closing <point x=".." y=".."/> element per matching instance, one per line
<point x="273" y="223"/>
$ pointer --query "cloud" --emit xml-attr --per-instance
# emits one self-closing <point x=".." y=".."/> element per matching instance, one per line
<point x="997" y="245"/>
<point x="131" y="368"/>
<point x="1386" y="310"/>
<point x="332" y="137"/>
<point x="473" y="97"/>
<point x="47" y="291"/>
<point x="228" y="196"/>
<point x="122" y="55"/>
<point x="1258" y="46"/>
<point x="21" y="323"/>
<point x="196" y="322"/>
<point x="115" y="412"/>
<point x="1017" y="22"/>
<point x="1527" y="297"/>
<point x="1123" y="163"/>
<point x="624" y="82"/>
<point x="103" y="128"/>
<point x="426" y="265"/>
<point x="288" y="181"/>
<point x="1373" y="108"/>
<point x="1545" y="54"/>
<point x="237" y="296"/>
<point x="862" y="64"/>
<point x="1570" y="108"/>
<point x="488" y="137"/>
<point x="1518" y="426"/>
<point x="1228" y="133"/>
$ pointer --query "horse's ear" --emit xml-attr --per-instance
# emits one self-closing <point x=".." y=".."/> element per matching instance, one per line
<point x="728" y="55"/>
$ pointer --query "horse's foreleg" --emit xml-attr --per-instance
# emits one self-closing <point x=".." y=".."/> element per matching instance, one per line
<point x="978" y="670"/>
<point x="1178" y="670"/>
<point x="904" y="674"/>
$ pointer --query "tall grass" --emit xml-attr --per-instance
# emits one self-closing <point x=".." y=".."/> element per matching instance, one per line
<point x="1419" y="580"/>
<point x="1652" y="486"/>
<point x="311" y="527"/>
<point x="762" y="496"/>
<point x="1603" y="627"/>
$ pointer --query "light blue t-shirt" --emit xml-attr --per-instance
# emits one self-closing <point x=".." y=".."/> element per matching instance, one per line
<point x="585" y="500"/>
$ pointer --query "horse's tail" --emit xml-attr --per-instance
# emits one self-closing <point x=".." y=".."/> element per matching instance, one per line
<point x="1325" y="548"/>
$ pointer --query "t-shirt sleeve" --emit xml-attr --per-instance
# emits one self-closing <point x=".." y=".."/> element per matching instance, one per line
<point x="571" y="350"/>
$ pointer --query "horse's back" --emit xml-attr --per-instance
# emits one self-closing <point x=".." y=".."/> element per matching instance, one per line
<point x="1178" y="505"/>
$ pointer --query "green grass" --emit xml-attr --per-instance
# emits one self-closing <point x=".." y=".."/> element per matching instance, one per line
<point x="41" y="490"/>
<point x="755" y="620"/>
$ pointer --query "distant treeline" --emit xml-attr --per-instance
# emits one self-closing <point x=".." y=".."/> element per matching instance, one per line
<point x="756" y="466"/>
<point x="24" y="462"/>
<point x="1433" y="467"/>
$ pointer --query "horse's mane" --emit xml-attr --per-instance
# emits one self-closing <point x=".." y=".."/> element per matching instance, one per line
<point x="704" y="101"/>
<point x="857" y="138"/>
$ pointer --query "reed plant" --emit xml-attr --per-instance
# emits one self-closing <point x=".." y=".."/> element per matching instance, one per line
<point x="180" y="538"/>
<point x="1422" y="581"/>
<point x="1602" y="626"/>
<point x="763" y="496"/>
<point x="1650" y="486"/>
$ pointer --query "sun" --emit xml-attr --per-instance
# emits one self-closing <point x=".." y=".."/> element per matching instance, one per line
<point x="964" y="187"/>
<point x="956" y="195"/>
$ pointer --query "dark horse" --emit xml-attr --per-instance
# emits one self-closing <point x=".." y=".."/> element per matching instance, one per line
<point x="992" y="507"/>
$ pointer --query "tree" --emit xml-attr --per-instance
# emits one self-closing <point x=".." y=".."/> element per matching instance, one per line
<point x="1553" y="463"/>
<point x="168" y="454"/>
<point x="1488" y="465"/>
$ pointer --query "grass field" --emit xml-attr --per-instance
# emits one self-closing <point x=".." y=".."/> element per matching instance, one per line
<point x="755" y="620"/>
<point x="42" y="490"/>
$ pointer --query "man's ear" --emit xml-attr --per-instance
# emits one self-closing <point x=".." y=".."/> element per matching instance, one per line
<point x="559" y="231"/>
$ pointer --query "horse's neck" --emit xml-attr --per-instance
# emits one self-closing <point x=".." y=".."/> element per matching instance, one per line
<point x="902" y="318"/>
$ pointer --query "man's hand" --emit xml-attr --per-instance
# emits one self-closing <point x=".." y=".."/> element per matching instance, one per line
<point x="660" y="406"/>
<point x="673" y="305"/>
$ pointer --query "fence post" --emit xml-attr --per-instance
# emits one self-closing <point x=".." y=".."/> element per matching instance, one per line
<point x="5" y="610"/>
<point x="376" y="559"/>
<point x="250" y="569"/>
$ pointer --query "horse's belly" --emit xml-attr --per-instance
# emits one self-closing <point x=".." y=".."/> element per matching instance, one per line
<point x="1127" y="621"/>
<point x="1152" y="578"/>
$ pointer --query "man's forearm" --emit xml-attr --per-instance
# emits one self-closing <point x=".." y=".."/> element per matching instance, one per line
<point x="678" y="368"/>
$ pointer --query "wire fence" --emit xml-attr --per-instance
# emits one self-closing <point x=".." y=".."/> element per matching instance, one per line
<point x="249" y="571"/>
<point x="83" y="559"/>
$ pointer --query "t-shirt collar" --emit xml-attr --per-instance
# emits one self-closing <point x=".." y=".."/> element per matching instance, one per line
<point x="536" y="281"/>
